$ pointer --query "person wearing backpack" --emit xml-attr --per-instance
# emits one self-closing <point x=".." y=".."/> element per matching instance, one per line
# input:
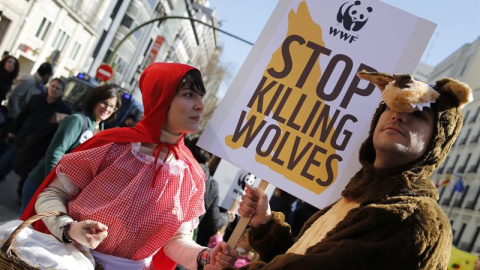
<point x="101" y="105"/>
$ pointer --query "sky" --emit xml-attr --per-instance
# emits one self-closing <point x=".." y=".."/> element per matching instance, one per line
<point x="458" y="23"/>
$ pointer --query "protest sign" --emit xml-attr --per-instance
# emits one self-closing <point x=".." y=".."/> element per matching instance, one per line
<point x="231" y="184"/>
<point x="296" y="112"/>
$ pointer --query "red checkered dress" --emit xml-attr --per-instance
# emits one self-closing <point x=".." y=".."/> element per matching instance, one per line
<point x="117" y="190"/>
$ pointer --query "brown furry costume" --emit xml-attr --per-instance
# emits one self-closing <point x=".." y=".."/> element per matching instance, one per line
<point x="397" y="222"/>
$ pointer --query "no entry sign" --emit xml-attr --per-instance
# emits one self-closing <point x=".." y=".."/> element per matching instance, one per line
<point x="104" y="72"/>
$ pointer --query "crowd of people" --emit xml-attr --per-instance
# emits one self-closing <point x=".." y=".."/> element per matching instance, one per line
<point x="143" y="197"/>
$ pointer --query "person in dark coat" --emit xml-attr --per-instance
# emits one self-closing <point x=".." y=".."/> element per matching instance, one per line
<point x="281" y="201"/>
<point x="36" y="114"/>
<point x="27" y="87"/>
<point x="299" y="215"/>
<point x="9" y="68"/>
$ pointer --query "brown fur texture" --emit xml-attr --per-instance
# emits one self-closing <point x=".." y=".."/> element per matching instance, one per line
<point x="398" y="225"/>
<point x="402" y="93"/>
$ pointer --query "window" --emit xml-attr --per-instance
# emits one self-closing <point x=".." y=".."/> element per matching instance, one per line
<point x="43" y="29"/>
<point x="131" y="24"/>
<point x="121" y="64"/>
<point x="457" y="239"/>
<point x="170" y="4"/>
<point x="115" y="10"/>
<point x="74" y="52"/>
<point x="464" y="67"/>
<point x="161" y="10"/>
<point x="473" y="240"/>
<point x="464" y="166"/>
<point x="466" y="116"/>
<point x="127" y="21"/>
<point x="464" y="139"/>
<point x="107" y="55"/>
<point x="474" y="118"/>
<point x="471" y="204"/>
<point x="60" y="40"/>
<point x="474" y="168"/>
<point x="161" y="13"/>
<point x="137" y="33"/>
<point x="475" y="138"/>
<point x="458" y="202"/>
<point x="447" y="201"/>
<point x="450" y="169"/>
<point x="4" y="24"/>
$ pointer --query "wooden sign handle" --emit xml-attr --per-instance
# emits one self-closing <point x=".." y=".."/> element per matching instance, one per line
<point x="243" y="222"/>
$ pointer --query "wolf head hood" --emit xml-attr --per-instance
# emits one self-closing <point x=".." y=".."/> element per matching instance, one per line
<point x="371" y="184"/>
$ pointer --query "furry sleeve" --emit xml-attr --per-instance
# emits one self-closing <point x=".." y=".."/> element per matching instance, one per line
<point x="401" y="234"/>
<point x="272" y="238"/>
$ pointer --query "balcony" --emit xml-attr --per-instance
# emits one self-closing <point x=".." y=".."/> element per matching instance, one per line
<point x="463" y="141"/>
<point x="470" y="205"/>
<point x="450" y="170"/>
<point x="473" y="119"/>
<point x="461" y="169"/>
<point x="86" y="11"/>
<point x="440" y="170"/>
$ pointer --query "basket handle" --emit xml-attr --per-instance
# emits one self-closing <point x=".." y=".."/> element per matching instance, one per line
<point x="8" y="243"/>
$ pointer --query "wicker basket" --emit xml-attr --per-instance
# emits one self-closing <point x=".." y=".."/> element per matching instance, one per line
<point x="8" y="259"/>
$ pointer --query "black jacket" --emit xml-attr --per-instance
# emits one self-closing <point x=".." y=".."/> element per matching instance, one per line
<point x="36" y="115"/>
<point x="5" y="87"/>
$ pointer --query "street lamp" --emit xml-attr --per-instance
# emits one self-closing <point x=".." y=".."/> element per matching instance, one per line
<point x="112" y="55"/>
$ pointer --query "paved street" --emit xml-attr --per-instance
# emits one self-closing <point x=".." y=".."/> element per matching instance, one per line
<point x="9" y="205"/>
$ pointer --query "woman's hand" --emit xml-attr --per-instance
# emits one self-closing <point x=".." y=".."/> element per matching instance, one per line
<point x="255" y="205"/>
<point x="88" y="233"/>
<point x="222" y="256"/>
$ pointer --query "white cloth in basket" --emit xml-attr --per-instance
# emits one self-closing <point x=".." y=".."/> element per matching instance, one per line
<point x="44" y="251"/>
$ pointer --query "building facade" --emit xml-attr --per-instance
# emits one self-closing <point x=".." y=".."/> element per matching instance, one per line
<point x="61" y="32"/>
<point x="422" y="72"/>
<point x="166" y="39"/>
<point x="78" y="36"/>
<point x="463" y="208"/>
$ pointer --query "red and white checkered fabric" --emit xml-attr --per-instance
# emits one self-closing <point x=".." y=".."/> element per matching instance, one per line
<point x="117" y="190"/>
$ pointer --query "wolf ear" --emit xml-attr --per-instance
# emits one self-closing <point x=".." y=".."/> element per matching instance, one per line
<point x="378" y="78"/>
<point x="458" y="89"/>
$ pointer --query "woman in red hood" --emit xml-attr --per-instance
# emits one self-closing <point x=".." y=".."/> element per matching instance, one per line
<point x="133" y="195"/>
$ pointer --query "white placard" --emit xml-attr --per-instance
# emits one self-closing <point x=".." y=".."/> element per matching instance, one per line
<point x="231" y="179"/>
<point x="296" y="113"/>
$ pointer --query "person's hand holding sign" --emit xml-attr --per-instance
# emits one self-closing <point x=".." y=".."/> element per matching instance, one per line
<point x="255" y="205"/>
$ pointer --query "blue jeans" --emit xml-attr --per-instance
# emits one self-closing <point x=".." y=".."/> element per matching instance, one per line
<point x="29" y="188"/>
<point x="7" y="158"/>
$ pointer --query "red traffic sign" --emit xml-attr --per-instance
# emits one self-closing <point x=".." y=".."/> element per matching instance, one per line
<point x="104" y="72"/>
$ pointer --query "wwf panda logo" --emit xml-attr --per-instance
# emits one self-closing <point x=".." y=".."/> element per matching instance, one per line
<point x="354" y="16"/>
<point x="246" y="178"/>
